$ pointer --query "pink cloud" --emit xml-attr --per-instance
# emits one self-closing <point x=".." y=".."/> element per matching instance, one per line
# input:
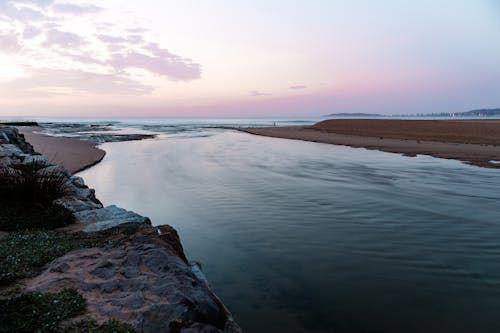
<point x="9" y="43"/>
<point x="62" y="39"/>
<point x="76" y="80"/>
<point x="73" y="9"/>
<point x="105" y="72"/>
<point x="256" y="93"/>
<point x="22" y="14"/>
<point x="162" y="62"/>
<point x="111" y="39"/>
<point x="40" y="3"/>
<point x="31" y="31"/>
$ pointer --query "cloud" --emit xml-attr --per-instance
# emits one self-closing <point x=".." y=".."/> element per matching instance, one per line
<point x="160" y="62"/>
<point x="60" y="48"/>
<point x="50" y="82"/>
<point x="298" y="87"/>
<point x="23" y="14"/>
<point x="9" y="43"/>
<point x="256" y="93"/>
<point x="38" y="3"/>
<point x="136" y="30"/>
<point x="31" y="32"/>
<point x="73" y="9"/>
<point x="62" y="39"/>
<point x="111" y="39"/>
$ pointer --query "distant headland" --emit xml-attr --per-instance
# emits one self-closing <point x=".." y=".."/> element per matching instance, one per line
<point x="471" y="113"/>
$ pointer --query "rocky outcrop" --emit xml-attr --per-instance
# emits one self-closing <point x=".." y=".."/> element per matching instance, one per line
<point x="141" y="277"/>
<point x="144" y="280"/>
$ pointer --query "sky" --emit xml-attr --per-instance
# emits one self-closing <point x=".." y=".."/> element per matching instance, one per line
<point x="247" y="58"/>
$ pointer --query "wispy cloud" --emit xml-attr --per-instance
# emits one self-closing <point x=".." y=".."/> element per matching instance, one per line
<point x="256" y="93"/>
<point x="50" y="82"/>
<point x="74" y="9"/>
<point x="298" y="87"/>
<point x="9" y="43"/>
<point x="56" y="52"/>
<point x="55" y="37"/>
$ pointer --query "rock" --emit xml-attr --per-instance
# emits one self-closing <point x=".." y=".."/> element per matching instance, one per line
<point x="4" y="138"/>
<point x="200" y="328"/>
<point x="10" y="150"/>
<point x="40" y="159"/>
<point x="82" y="193"/>
<point x="11" y="135"/>
<point x="159" y="286"/>
<point x="76" y="205"/>
<point x="78" y="181"/>
<point x="108" y="217"/>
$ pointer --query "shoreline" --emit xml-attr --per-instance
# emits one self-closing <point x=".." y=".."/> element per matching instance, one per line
<point x="73" y="154"/>
<point x="136" y="274"/>
<point x="472" y="142"/>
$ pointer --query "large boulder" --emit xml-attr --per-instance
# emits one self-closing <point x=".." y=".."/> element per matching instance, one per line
<point x="108" y="217"/>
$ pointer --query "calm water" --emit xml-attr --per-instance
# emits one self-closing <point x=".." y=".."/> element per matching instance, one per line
<point x="306" y="237"/>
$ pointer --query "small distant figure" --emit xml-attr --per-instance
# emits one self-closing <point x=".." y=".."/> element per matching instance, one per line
<point x="274" y="124"/>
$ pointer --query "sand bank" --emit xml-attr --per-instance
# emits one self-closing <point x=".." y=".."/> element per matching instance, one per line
<point x="475" y="142"/>
<point x="74" y="155"/>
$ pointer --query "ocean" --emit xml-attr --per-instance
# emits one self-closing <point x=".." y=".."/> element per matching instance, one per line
<point x="306" y="237"/>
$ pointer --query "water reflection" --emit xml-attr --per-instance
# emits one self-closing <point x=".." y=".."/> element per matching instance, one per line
<point x="305" y="237"/>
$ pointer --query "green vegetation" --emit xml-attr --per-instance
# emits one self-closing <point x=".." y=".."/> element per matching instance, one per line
<point x="26" y="198"/>
<point x="177" y="325"/>
<point x="90" y="326"/>
<point x="23" y="254"/>
<point x="39" y="312"/>
<point x="27" y="192"/>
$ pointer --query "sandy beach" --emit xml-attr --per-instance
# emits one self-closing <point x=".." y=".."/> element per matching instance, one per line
<point x="475" y="142"/>
<point x="74" y="155"/>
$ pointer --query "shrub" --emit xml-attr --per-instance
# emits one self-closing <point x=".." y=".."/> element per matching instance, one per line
<point x="27" y="193"/>
<point x="30" y="184"/>
<point x="18" y="216"/>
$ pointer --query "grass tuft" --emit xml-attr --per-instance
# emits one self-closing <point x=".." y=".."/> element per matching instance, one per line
<point x="23" y="254"/>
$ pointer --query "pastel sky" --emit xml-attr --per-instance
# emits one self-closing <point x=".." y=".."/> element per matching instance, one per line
<point x="247" y="58"/>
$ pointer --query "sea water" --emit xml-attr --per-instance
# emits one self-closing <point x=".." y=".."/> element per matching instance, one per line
<point x="306" y="237"/>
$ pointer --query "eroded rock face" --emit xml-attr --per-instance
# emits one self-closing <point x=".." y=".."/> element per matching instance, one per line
<point x="142" y="280"/>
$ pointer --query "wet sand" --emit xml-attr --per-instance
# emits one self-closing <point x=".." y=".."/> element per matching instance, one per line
<point x="475" y="142"/>
<point x="74" y="155"/>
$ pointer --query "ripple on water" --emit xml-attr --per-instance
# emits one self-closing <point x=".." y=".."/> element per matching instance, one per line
<point x="303" y="237"/>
